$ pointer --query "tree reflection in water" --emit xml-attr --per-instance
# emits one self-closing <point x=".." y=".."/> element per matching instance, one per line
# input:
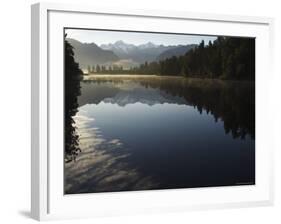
<point x="108" y="163"/>
<point x="231" y="101"/>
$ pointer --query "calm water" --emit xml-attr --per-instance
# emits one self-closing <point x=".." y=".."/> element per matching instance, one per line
<point x="138" y="133"/>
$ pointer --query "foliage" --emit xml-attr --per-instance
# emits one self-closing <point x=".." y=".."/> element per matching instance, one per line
<point x="73" y="75"/>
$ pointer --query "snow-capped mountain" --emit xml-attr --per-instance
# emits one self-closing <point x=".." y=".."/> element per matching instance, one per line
<point x="119" y="46"/>
<point x="138" y="53"/>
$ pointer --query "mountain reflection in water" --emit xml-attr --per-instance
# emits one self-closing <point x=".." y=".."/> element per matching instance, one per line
<point x="139" y="133"/>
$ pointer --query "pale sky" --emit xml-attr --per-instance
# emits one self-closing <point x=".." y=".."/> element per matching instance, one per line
<point x="104" y="37"/>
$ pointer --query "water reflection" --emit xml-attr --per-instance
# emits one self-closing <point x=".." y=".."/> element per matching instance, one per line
<point x="102" y="166"/>
<point x="231" y="101"/>
<point x="140" y="133"/>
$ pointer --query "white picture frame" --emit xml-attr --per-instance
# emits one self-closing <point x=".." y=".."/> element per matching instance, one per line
<point x="48" y="201"/>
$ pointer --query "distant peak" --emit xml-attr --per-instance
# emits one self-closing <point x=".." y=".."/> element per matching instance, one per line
<point x="120" y="42"/>
<point x="148" y="45"/>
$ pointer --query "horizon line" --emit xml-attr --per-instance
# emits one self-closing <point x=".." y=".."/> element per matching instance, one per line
<point x="136" y="45"/>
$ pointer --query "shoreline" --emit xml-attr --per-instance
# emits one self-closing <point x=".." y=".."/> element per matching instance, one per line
<point x="138" y="76"/>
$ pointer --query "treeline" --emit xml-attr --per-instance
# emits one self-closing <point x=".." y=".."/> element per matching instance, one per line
<point x="102" y="69"/>
<point x="226" y="58"/>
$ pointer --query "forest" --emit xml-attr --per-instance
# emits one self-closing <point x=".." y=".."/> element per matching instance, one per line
<point x="225" y="58"/>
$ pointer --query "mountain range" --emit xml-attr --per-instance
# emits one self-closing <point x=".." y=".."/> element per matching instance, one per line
<point x="88" y="54"/>
<point x="123" y="54"/>
<point x="138" y="53"/>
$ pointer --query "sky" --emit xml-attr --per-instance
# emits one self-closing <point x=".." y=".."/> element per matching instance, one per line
<point x="105" y="37"/>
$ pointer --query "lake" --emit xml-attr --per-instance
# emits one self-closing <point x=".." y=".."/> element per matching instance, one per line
<point x="156" y="132"/>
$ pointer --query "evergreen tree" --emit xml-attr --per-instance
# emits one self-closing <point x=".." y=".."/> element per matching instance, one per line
<point x="73" y="75"/>
<point x="98" y="70"/>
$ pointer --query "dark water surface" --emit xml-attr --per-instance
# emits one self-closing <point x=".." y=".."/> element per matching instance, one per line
<point x="140" y="132"/>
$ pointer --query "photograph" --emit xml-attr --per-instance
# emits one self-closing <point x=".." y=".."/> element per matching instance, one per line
<point x="157" y="111"/>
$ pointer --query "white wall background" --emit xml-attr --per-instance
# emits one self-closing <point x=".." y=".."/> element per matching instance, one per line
<point x="15" y="110"/>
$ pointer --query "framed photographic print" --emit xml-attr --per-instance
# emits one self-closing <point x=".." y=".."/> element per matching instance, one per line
<point x="148" y="111"/>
